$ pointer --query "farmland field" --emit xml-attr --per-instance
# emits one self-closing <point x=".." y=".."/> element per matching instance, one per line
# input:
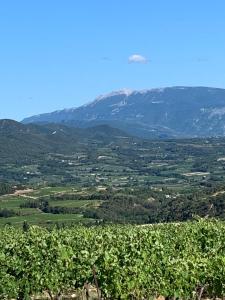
<point x="113" y="182"/>
<point x="131" y="219"/>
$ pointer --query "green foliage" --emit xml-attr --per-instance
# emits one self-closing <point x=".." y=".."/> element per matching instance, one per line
<point x="5" y="188"/>
<point x="6" y="213"/>
<point x="131" y="262"/>
<point x="143" y="206"/>
<point x="25" y="226"/>
<point x="186" y="175"/>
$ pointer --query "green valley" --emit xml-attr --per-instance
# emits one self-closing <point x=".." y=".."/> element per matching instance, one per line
<point x="101" y="174"/>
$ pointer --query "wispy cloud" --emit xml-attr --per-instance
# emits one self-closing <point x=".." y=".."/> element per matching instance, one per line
<point x="137" y="58"/>
<point x="106" y="58"/>
<point x="202" y="59"/>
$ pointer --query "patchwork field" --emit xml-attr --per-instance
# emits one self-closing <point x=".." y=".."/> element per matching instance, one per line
<point x="111" y="181"/>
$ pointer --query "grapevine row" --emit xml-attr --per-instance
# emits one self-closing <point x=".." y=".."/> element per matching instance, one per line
<point x="130" y="262"/>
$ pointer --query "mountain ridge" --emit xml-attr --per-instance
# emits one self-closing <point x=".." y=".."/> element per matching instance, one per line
<point x="25" y="142"/>
<point x="179" y="111"/>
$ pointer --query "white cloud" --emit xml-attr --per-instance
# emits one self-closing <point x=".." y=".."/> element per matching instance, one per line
<point x="137" y="58"/>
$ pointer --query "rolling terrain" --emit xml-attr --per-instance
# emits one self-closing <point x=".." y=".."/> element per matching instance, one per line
<point x="82" y="187"/>
<point x="23" y="142"/>
<point x="101" y="174"/>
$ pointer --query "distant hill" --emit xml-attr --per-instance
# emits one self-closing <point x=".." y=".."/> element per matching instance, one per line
<point x="29" y="142"/>
<point x="166" y="112"/>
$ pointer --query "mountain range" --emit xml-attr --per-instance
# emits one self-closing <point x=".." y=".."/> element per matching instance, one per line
<point x="155" y="113"/>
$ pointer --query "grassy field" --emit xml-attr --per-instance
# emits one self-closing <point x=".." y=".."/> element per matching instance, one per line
<point x="42" y="219"/>
<point x="75" y="203"/>
<point x="11" y="202"/>
<point x="35" y="216"/>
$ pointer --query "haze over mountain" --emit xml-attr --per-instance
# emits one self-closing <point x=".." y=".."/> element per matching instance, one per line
<point x="165" y="112"/>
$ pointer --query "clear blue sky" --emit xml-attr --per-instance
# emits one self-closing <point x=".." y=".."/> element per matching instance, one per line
<point x="60" y="54"/>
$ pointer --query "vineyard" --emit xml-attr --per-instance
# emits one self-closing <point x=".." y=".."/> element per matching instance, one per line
<point x="185" y="261"/>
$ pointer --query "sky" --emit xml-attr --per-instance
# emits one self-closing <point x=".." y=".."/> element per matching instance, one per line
<point x="57" y="54"/>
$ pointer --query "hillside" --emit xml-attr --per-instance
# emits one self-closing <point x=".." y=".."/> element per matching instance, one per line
<point x="22" y="143"/>
<point x="167" y="112"/>
<point x="101" y="174"/>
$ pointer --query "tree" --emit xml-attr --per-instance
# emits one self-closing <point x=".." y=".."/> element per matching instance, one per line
<point x="25" y="226"/>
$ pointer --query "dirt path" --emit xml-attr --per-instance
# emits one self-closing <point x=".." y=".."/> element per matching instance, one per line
<point x="218" y="193"/>
<point x="22" y="192"/>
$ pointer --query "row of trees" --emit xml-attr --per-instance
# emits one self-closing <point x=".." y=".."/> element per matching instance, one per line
<point x="5" y="188"/>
